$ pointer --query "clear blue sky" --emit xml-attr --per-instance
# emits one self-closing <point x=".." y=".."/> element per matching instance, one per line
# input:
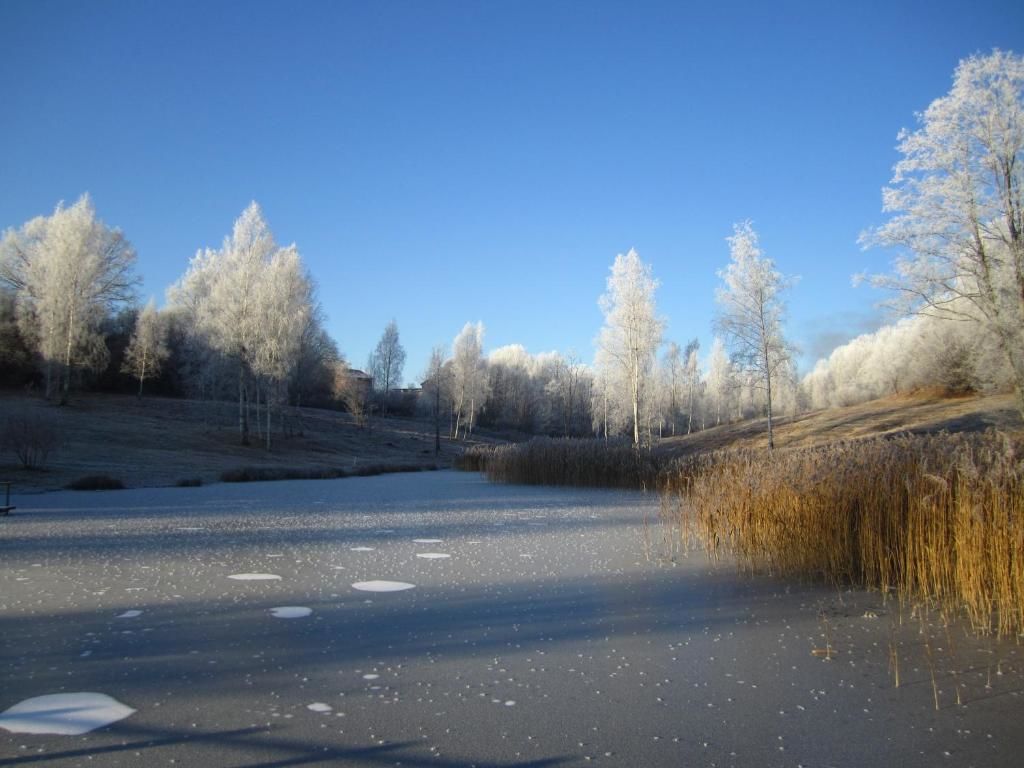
<point x="444" y="162"/>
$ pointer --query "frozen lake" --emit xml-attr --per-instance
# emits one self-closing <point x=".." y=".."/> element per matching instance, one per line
<point x="436" y="619"/>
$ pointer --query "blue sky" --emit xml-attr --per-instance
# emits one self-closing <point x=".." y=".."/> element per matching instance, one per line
<point x="445" y="162"/>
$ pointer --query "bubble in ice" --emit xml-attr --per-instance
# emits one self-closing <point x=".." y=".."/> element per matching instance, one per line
<point x="379" y="585"/>
<point x="433" y="555"/>
<point x="255" y="577"/>
<point x="290" y="612"/>
<point x="319" y="706"/>
<point x="128" y="614"/>
<point x="64" y="714"/>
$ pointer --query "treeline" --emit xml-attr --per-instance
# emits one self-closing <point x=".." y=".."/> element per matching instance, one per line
<point x="243" y="322"/>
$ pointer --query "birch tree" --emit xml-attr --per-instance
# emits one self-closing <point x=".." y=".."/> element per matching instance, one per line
<point x="469" y="376"/>
<point x="751" y="311"/>
<point x="387" y="362"/>
<point x="250" y="301"/>
<point x="434" y="385"/>
<point x="721" y="380"/>
<point x="70" y="270"/>
<point x="147" y="350"/>
<point x="691" y="375"/>
<point x="957" y="204"/>
<point x="632" y="330"/>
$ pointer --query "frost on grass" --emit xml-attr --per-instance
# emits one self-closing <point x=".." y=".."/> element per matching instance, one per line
<point x="290" y="612"/>
<point x="382" y="586"/>
<point x="255" y="577"/>
<point x="64" y="714"/>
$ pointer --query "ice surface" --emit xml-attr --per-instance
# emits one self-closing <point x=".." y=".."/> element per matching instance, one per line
<point x="64" y="714"/>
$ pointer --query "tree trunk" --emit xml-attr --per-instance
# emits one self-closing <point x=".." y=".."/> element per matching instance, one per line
<point x="243" y="420"/>
<point x="437" y="419"/>
<point x="771" y="436"/>
<point x="268" y="419"/>
<point x="66" y="386"/>
<point x="142" y="373"/>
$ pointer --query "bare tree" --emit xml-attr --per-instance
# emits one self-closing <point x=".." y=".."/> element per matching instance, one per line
<point x="957" y="199"/>
<point x="751" y="311"/>
<point x="69" y="270"/>
<point x="632" y="330"/>
<point x="147" y="350"/>
<point x="387" y="362"/>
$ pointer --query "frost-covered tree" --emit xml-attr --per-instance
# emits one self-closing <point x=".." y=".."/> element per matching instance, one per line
<point x="250" y="301"/>
<point x="721" y="381"/>
<point x="957" y="205"/>
<point x="70" y="270"/>
<point x="673" y="384"/>
<point x="147" y="350"/>
<point x="469" y="372"/>
<point x="435" y="387"/>
<point x="691" y="377"/>
<point x="751" y="311"/>
<point x="631" y="334"/>
<point x="387" y="362"/>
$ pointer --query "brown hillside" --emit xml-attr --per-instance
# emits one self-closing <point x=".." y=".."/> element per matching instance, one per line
<point x="161" y="441"/>
<point x="918" y="414"/>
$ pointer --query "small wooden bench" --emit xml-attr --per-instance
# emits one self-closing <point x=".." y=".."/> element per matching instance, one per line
<point x="7" y="506"/>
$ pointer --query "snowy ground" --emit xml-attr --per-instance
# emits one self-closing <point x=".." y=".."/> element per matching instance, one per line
<point x="559" y="631"/>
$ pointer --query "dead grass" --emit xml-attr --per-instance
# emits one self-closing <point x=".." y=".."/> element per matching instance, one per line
<point x="937" y="519"/>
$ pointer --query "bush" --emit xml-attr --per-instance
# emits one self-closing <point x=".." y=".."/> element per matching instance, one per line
<point x="31" y="438"/>
<point x="96" y="483"/>
<point x="189" y="482"/>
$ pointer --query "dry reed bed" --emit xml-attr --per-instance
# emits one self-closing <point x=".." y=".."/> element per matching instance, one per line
<point x="564" y="461"/>
<point x="935" y="518"/>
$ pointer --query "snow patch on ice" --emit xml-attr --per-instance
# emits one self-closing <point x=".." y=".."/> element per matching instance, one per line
<point x="319" y="706"/>
<point x="291" y="612"/>
<point x="64" y="714"/>
<point x="361" y="549"/>
<point x="128" y="614"/>
<point x="370" y="676"/>
<point x="379" y="585"/>
<point x="433" y="555"/>
<point x="255" y="577"/>
<point x="427" y="541"/>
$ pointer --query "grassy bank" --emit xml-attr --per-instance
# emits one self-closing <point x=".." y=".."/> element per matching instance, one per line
<point x="935" y="518"/>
